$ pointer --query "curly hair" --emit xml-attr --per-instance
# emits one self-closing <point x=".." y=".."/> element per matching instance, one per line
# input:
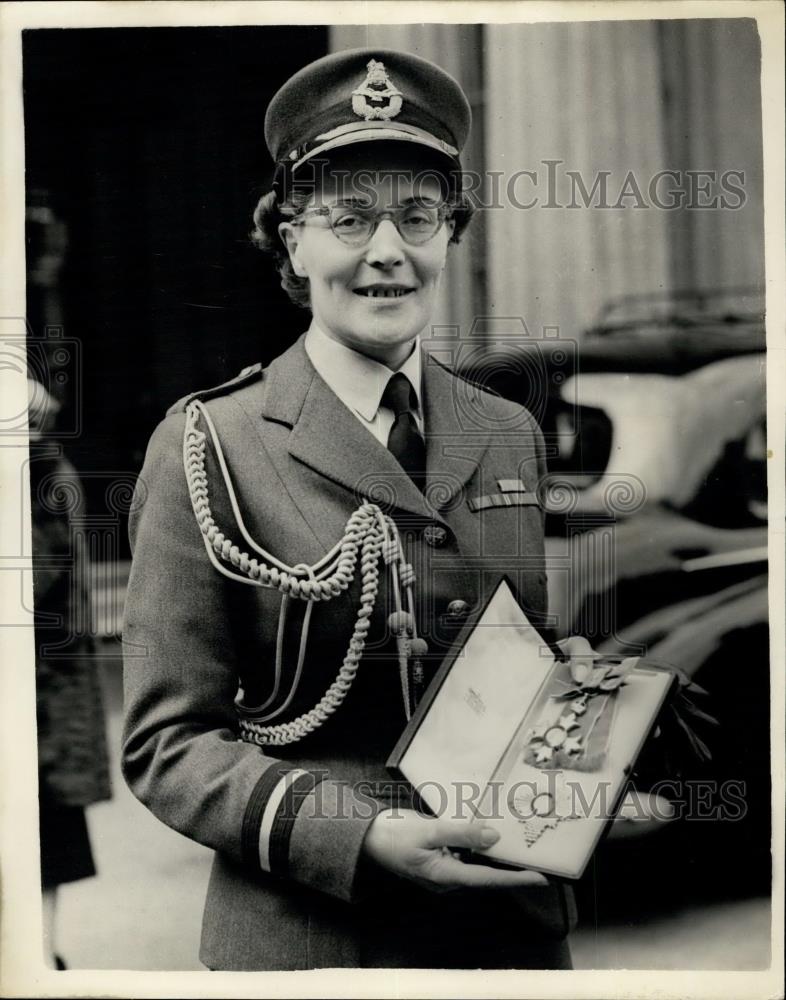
<point x="269" y="214"/>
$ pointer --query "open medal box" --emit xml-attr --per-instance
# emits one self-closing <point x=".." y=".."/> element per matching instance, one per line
<point x="509" y="735"/>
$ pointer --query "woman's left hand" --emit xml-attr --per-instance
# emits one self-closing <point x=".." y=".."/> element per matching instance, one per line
<point x="578" y="650"/>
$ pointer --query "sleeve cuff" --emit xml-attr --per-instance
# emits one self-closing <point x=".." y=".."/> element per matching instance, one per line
<point x="304" y="826"/>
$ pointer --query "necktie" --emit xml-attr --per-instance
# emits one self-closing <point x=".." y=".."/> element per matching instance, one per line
<point x="405" y="441"/>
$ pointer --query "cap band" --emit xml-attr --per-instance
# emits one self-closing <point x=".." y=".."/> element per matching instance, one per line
<point x="396" y="127"/>
<point x="363" y="132"/>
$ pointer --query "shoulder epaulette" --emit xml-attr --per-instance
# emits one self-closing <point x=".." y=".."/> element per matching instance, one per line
<point x="246" y="377"/>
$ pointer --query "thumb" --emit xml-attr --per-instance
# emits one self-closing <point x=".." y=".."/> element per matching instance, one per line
<point x="461" y="833"/>
<point x="577" y="645"/>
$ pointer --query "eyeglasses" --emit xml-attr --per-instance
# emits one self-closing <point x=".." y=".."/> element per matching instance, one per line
<point x="354" y="226"/>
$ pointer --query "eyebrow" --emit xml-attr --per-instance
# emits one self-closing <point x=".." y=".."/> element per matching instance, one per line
<point x="365" y="203"/>
<point x="347" y="203"/>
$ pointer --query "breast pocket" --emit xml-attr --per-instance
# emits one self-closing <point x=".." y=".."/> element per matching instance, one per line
<point x="509" y="522"/>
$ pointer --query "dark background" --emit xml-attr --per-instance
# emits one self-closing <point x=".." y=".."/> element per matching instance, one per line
<point x="148" y="144"/>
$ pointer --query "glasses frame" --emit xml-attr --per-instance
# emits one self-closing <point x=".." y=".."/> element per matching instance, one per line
<point x="444" y="212"/>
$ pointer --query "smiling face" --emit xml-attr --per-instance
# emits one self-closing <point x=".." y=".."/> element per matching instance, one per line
<point x="378" y="297"/>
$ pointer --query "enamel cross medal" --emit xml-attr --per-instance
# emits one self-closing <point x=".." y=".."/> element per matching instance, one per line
<point x="571" y="734"/>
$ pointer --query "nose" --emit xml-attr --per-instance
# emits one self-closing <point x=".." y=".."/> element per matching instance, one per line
<point x="385" y="248"/>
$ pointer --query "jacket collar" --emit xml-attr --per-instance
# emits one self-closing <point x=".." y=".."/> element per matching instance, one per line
<point x="358" y="381"/>
<point x="330" y="439"/>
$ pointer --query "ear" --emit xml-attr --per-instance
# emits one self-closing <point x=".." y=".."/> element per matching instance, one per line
<point x="289" y="236"/>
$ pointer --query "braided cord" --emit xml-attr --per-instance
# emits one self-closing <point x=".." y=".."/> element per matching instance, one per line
<point x="368" y="532"/>
<point x="291" y="732"/>
<point x="297" y="581"/>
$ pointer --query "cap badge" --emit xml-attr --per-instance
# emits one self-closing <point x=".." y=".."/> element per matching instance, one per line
<point x="377" y="97"/>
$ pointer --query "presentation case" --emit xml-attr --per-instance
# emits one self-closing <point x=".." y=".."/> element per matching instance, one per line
<point x="509" y="735"/>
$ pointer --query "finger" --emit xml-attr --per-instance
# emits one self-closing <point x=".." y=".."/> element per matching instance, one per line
<point x="641" y="814"/>
<point x="459" y="833"/>
<point x="449" y="871"/>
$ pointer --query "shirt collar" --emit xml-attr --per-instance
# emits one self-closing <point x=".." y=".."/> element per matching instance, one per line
<point x="357" y="380"/>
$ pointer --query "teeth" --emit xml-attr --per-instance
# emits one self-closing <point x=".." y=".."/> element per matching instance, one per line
<point x="385" y="293"/>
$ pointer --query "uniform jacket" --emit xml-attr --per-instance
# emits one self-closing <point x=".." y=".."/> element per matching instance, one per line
<point x="289" y="887"/>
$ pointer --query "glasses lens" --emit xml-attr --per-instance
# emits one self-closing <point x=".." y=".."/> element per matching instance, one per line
<point x="352" y="225"/>
<point x="417" y="224"/>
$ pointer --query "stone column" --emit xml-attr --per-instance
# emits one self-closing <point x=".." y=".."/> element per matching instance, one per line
<point x="577" y="105"/>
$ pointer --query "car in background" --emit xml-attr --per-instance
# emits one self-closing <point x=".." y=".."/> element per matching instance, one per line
<point x="656" y="501"/>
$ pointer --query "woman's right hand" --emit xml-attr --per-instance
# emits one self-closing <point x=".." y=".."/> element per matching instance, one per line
<point x="419" y="848"/>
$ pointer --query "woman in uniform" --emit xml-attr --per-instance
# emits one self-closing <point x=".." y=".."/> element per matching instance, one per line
<point x="306" y="549"/>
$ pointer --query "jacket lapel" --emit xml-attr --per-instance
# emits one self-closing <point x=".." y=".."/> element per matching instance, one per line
<point x="330" y="439"/>
<point x="456" y="439"/>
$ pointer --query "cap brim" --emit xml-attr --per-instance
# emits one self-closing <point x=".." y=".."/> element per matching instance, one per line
<point x="387" y="133"/>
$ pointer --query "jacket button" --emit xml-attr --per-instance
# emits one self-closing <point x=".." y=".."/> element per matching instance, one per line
<point x="458" y="609"/>
<point x="435" y="535"/>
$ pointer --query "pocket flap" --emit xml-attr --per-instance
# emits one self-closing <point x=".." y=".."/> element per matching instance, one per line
<point x="502" y="500"/>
